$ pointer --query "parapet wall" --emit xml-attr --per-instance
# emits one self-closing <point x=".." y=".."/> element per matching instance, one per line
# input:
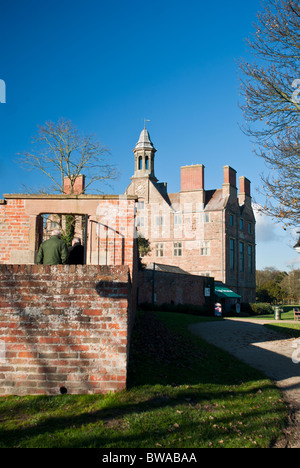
<point x="64" y="328"/>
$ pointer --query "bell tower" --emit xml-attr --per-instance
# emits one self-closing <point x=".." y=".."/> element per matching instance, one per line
<point x="144" y="153"/>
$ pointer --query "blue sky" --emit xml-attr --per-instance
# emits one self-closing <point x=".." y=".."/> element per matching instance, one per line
<point x="107" y="66"/>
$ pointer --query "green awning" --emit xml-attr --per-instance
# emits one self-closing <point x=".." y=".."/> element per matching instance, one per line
<point x="222" y="291"/>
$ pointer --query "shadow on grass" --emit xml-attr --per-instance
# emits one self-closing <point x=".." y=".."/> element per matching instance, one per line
<point x="181" y="393"/>
<point x="286" y="331"/>
<point x="105" y="428"/>
<point x="162" y="356"/>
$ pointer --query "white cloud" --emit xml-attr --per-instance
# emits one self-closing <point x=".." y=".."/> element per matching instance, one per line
<point x="267" y="230"/>
<point x="274" y="245"/>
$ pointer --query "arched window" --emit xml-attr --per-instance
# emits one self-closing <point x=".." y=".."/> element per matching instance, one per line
<point x="140" y="163"/>
<point x="147" y="163"/>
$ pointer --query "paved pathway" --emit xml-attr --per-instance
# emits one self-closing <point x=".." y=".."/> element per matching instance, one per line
<point x="264" y="349"/>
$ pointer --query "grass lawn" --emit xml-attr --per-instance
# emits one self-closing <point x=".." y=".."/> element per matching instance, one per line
<point x="286" y="314"/>
<point x="182" y="393"/>
<point x="291" y="329"/>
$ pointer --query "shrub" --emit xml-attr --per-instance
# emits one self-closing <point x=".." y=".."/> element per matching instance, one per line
<point x="261" y="308"/>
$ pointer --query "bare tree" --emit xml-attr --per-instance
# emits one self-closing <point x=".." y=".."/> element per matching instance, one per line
<point x="291" y="284"/>
<point x="271" y="90"/>
<point x="267" y="275"/>
<point x="61" y="152"/>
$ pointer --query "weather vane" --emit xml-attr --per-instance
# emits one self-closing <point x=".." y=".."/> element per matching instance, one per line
<point x="145" y="120"/>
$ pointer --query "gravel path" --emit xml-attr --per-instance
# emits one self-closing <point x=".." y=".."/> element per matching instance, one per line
<point x="266" y="350"/>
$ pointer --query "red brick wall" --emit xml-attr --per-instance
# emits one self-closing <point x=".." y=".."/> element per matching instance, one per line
<point x="229" y="176"/>
<point x="110" y="226"/>
<point x="64" y="326"/>
<point x="172" y="288"/>
<point x="78" y="186"/>
<point x="14" y="229"/>
<point x="245" y="186"/>
<point x="192" y="177"/>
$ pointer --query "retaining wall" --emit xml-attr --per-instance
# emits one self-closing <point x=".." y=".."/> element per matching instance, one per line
<point x="64" y="328"/>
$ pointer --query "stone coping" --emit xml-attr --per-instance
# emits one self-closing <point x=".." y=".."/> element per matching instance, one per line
<point x="23" y="196"/>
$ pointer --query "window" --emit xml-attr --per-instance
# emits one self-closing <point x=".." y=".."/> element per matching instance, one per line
<point x="140" y="163"/>
<point x="205" y="217"/>
<point x="232" y="254"/>
<point x="177" y="219"/>
<point x="159" y="250"/>
<point x="242" y="266"/>
<point x="140" y="205"/>
<point x="160" y="221"/>
<point x="177" y="249"/>
<point x="249" y="228"/>
<point x="140" y="222"/>
<point x="250" y="259"/>
<point x="231" y="220"/>
<point x="205" y="248"/>
<point x="147" y="163"/>
<point x="241" y="224"/>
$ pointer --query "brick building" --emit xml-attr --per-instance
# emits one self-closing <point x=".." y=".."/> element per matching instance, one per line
<point x="204" y="232"/>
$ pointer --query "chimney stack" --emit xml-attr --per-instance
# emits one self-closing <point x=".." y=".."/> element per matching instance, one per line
<point x="192" y="178"/>
<point x="244" y="192"/>
<point x="229" y="181"/>
<point x="78" y="187"/>
<point x="229" y="176"/>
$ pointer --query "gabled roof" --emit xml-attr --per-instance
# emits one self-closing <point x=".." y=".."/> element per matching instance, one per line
<point x="215" y="200"/>
<point x="167" y="268"/>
